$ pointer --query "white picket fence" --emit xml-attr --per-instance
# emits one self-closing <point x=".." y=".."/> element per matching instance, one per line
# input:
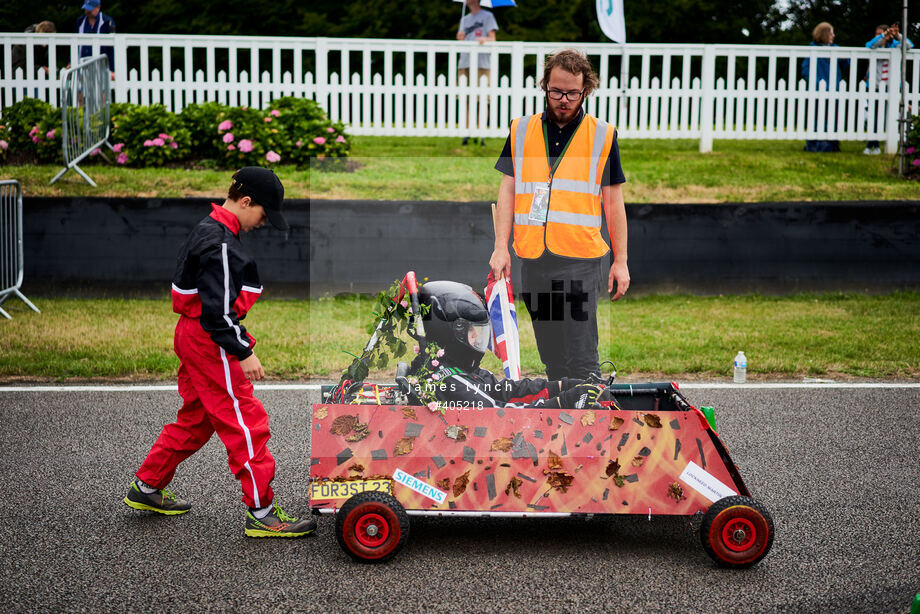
<point x="412" y="87"/>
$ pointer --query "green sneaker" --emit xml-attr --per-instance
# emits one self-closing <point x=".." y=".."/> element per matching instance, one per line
<point x="278" y="524"/>
<point x="163" y="501"/>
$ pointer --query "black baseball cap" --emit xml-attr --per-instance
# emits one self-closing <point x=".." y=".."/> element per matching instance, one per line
<point x="264" y="188"/>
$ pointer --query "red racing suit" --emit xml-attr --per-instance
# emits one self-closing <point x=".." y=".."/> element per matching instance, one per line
<point x="215" y="284"/>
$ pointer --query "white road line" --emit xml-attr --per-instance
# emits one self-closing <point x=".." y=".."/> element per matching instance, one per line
<point x="140" y="388"/>
<point x="812" y="386"/>
<point x="295" y="387"/>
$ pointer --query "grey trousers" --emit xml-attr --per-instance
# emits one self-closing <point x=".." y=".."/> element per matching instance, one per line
<point x="561" y="297"/>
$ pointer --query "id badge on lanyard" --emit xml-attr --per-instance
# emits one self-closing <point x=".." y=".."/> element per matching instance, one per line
<point x="539" y="206"/>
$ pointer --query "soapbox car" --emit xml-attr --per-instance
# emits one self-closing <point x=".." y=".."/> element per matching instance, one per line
<point x="377" y="460"/>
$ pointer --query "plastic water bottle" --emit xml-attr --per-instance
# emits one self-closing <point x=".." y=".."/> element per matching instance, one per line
<point x="740" y="368"/>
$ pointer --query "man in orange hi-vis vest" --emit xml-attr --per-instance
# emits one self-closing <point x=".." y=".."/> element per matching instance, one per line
<point x="562" y="180"/>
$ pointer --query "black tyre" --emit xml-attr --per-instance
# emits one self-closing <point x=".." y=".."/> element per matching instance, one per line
<point x="737" y="532"/>
<point x="372" y="527"/>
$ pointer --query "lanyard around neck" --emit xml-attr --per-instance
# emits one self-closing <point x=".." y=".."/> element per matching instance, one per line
<point x="553" y="165"/>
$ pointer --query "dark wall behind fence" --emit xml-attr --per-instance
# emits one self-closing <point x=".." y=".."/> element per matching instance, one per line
<point x="336" y="246"/>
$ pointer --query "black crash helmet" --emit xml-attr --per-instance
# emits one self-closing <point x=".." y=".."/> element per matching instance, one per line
<point x="457" y="322"/>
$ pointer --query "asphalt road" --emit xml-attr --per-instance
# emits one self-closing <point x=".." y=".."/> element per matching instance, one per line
<point x="837" y="468"/>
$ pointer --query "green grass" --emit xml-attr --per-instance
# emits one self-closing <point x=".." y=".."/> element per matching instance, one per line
<point x="672" y="337"/>
<point x="434" y="168"/>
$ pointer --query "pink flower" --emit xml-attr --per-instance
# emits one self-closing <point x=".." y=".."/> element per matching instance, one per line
<point x="174" y="145"/>
<point x="916" y="162"/>
<point x="415" y="349"/>
<point x="228" y="138"/>
<point x="158" y="142"/>
<point x="319" y="140"/>
<point x="245" y="145"/>
<point x="95" y="152"/>
<point x="910" y="150"/>
<point x="435" y="363"/>
<point x="3" y="144"/>
<point x="225" y="125"/>
<point x="330" y="129"/>
<point x="404" y="304"/>
<point x="433" y="406"/>
<point x="33" y="131"/>
<point x="299" y="143"/>
<point x="231" y="147"/>
<point x="440" y="353"/>
<point x="340" y="139"/>
<point x="268" y="120"/>
<point x="164" y="136"/>
<point x="122" y="158"/>
<point x="50" y="134"/>
<point x="275" y="113"/>
<point x="271" y="156"/>
<point x="118" y="147"/>
<point x="148" y="143"/>
<point x="36" y="139"/>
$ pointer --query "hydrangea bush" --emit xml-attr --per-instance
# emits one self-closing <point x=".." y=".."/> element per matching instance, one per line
<point x="27" y="123"/>
<point x="4" y="142"/>
<point x="307" y="131"/>
<point x="200" y="119"/>
<point x="291" y="131"/>
<point x="244" y="138"/>
<point x="913" y="147"/>
<point x="148" y="136"/>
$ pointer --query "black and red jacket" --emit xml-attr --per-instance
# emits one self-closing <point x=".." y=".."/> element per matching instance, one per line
<point x="217" y="281"/>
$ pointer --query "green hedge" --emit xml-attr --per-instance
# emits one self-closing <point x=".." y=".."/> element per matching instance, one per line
<point x="291" y="131"/>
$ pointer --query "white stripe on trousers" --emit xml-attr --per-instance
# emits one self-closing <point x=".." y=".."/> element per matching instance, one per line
<point x="239" y="418"/>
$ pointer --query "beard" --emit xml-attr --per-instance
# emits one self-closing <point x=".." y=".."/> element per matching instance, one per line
<point x="570" y="113"/>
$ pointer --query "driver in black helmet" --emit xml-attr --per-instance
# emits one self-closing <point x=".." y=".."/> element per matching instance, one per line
<point x="458" y="323"/>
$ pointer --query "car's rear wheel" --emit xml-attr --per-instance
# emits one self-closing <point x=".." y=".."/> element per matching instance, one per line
<point x="737" y="531"/>
<point x="372" y="527"/>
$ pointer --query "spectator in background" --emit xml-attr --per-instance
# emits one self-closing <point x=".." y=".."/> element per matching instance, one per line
<point x="886" y="37"/>
<point x="823" y="36"/>
<point x="94" y="21"/>
<point x="40" y="52"/>
<point x="477" y="25"/>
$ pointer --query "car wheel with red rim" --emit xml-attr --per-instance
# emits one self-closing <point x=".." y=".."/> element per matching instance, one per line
<point x="737" y="532"/>
<point x="372" y="527"/>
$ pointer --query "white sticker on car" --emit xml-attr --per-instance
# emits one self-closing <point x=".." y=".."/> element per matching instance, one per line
<point x="705" y="483"/>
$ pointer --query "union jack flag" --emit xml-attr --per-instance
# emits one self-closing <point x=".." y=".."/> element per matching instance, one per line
<point x="505" y="342"/>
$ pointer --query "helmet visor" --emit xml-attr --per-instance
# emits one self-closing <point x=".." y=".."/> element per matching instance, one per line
<point x="478" y="336"/>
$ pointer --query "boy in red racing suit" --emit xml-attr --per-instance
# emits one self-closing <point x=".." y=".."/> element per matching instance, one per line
<point x="215" y="284"/>
<point x="458" y="323"/>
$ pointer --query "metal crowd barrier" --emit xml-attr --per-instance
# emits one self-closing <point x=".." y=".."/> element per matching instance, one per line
<point x="11" y="268"/>
<point x="85" y="99"/>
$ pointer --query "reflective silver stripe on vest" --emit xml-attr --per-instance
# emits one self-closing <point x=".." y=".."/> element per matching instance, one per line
<point x="582" y="187"/>
<point x="597" y="150"/>
<point x="519" y="186"/>
<point x="561" y="217"/>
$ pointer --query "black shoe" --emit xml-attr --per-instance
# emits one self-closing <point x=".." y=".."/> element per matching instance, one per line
<point x="278" y="524"/>
<point x="162" y="501"/>
<point x="466" y="141"/>
<point x="482" y="142"/>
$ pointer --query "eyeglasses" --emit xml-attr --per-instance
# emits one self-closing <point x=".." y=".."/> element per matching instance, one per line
<point x="570" y="96"/>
